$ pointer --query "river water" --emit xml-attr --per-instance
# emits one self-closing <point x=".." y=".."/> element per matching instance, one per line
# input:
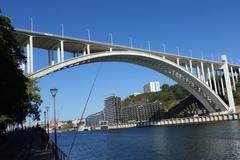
<point x="213" y="141"/>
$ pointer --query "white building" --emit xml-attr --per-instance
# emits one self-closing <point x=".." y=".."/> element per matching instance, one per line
<point x="136" y="93"/>
<point x="152" y="87"/>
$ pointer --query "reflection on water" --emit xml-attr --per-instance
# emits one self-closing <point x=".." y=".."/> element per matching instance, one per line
<point x="203" y="141"/>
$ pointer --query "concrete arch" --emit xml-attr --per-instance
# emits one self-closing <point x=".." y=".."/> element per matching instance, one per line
<point x="176" y="72"/>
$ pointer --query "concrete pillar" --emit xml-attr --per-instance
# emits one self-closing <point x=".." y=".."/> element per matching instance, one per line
<point x="190" y="64"/>
<point x="222" y="86"/>
<point x="110" y="49"/>
<point x="88" y="49"/>
<point x="52" y="57"/>
<point x="49" y="57"/>
<point x="58" y="55"/>
<point x="198" y="72"/>
<point x="214" y="79"/>
<point x="28" y="60"/>
<point x="233" y="79"/>
<point x="228" y="84"/>
<point x="62" y="51"/>
<point x="219" y="87"/>
<point x="178" y="63"/>
<point x="203" y="73"/>
<point x="163" y="57"/>
<point x="31" y="53"/>
<point x="186" y="66"/>
<point x="84" y="51"/>
<point x="209" y="78"/>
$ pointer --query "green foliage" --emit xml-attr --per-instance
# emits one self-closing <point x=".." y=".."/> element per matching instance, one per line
<point x="19" y="95"/>
<point x="237" y="93"/>
<point x="169" y="96"/>
<point x="66" y="126"/>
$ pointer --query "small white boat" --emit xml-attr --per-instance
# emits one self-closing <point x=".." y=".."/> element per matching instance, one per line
<point x="84" y="128"/>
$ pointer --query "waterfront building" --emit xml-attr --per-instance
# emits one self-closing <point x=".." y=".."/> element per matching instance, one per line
<point x="152" y="87"/>
<point x="112" y="105"/>
<point x="94" y="119"/>
<point x="77" y="122"/>
<point x="145" y="112"/>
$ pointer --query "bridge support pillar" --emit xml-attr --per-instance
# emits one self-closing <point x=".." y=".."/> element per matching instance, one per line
<point x="84" y="52"/>
<point x="28" y="60"/>
<point x="214" y="79"/>
<point x="88" y="49"/>
<point x="228" y="84"/>
<point x="222" y="86"/>
<point x="52" y="57"/>
<point x="236" y="76"/>
<point x="209" y="78"/>
<point x="31" y="52"/>
<point x="186" y="66"/>
<point x="190" y="64"/>
<point x="198" y="72"/>
<point x="233" y="79"/>
<point x="178" y="63"/>
<point x="203" y="73"/>
<point x="30" y="55"/>
<point x="49" y="57"/>
<point x="62" y="51"/>
<point x="58" y="55"/>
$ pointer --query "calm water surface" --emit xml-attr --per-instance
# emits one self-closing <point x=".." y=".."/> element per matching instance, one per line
<point x="200" y="141"/>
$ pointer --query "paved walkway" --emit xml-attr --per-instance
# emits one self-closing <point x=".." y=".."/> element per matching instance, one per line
<point x="27" y="144"/>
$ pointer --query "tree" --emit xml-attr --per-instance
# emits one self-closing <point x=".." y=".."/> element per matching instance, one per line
<point x="165" y="87"/>
<point x="19" y="96"/>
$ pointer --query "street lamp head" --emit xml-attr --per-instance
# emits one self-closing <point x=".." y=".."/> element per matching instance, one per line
<point x="53" y="91"/>
<point x="44" y="113"/>
<point x="47" y="108"/>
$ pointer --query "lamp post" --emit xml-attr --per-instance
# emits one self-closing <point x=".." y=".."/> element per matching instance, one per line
<point x="47" y="108"/>
<point x="54" y="93"/>
<point x="45" y="122"/>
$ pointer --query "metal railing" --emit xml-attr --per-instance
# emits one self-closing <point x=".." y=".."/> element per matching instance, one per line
<point x="55" y="149"/>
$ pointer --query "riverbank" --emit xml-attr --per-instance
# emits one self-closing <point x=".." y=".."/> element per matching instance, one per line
<point x="178" y="121"/>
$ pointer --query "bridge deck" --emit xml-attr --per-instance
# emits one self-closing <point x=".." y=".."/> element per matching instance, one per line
<point x="75" y="45"/>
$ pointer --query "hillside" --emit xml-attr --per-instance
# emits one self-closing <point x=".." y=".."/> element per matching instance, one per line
<point x="169" y="97"/>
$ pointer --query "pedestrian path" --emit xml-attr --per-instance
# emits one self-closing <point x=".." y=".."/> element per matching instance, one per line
<point x="29" y="144"/>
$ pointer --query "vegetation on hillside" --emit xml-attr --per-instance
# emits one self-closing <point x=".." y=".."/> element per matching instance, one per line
<point x="19" y="95"/>
<point x="237" y="93"/>
<point x="169" y="96"/>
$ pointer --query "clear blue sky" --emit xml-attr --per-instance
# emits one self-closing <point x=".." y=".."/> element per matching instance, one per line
<point x="208" y="26"/>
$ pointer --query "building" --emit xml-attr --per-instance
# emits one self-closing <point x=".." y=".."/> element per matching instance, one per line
<point x="112" y="105"/>
<point x="152" y="87"/>
<point x="136" y="93"/>
<point x="77" y="122"/>
<point x="145" y="112"/>
<point x="94" y="119"/>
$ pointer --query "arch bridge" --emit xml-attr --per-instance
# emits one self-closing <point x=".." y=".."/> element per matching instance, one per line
<point x="211" y="82"/>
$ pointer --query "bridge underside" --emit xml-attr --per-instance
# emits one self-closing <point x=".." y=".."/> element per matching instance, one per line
<point x="196" y="87"/>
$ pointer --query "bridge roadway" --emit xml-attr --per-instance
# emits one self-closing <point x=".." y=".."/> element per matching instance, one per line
<point x="78" y="46"/>
<point x="207" y="80"/>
